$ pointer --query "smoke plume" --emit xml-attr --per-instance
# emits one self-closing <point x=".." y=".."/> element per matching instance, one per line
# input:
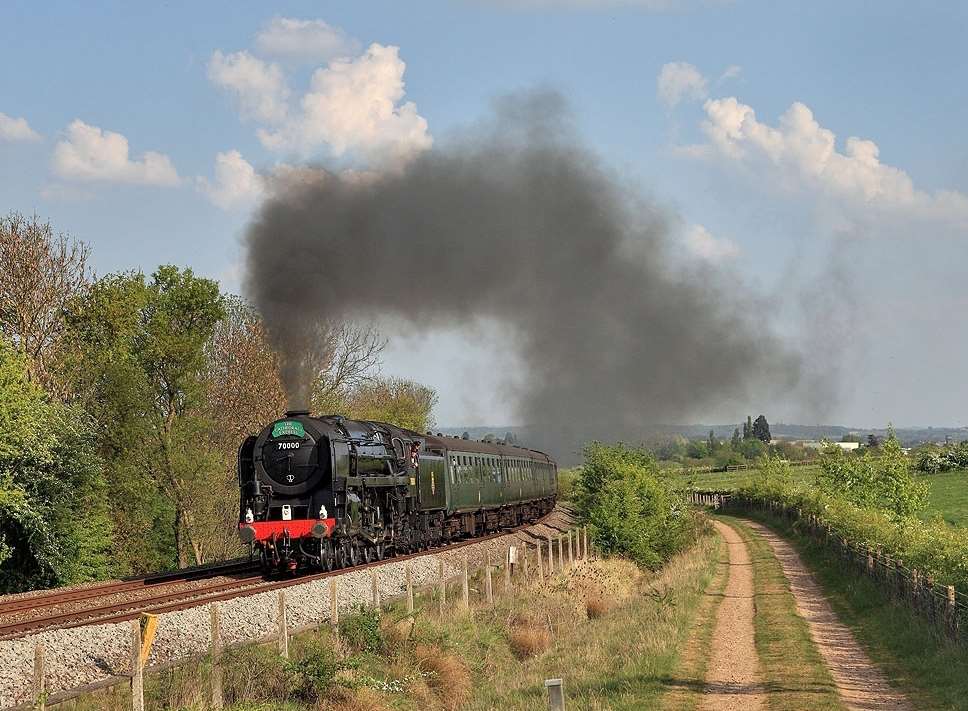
<point x="516" y="222"/>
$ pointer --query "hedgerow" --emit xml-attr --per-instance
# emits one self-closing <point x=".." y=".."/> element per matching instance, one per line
<point x="872" y="503"/>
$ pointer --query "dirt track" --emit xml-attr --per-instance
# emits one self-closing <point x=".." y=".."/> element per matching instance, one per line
<point x="733" y="676"/>
<point x="860" y="684"/>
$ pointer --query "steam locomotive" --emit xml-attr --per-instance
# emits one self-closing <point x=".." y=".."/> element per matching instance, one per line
<point x="329" y="492"/>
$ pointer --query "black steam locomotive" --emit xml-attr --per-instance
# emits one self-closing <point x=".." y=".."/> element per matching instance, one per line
<point x="328" y="492"/>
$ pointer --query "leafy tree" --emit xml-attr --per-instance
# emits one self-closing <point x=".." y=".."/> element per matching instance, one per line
<point x="877" y="480"/>
<point x="397" y="401"/>
<point x="54" y="526"/>
<point x="761" y="430"/>
<point x="735" y="441"/>
<point x="141" y="357"/>
<point x="748" y="428"/>
<point x="873" y="441"/>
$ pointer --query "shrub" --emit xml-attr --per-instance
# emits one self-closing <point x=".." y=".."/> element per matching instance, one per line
<point x="881" y="480"/>
<point x="632" y="509"/>
<point x="316" y="671"/>
<point x="362" y="630"/>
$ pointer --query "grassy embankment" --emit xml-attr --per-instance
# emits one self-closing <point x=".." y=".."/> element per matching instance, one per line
<point x="930" y="670"/>
<point x="611" y="631"/>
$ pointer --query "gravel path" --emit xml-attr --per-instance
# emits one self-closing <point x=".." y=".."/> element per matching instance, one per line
<point x="84" y="655"/>
<point x="860" y="684"/>
<point x="733" y="679"/>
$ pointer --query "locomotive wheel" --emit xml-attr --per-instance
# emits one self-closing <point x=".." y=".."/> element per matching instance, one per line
<point x="354" y="554"/>
<point x="380" y="551"/>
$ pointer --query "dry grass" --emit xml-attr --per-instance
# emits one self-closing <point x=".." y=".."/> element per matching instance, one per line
<point x="529" y="640"/>
<point x="595" y="606"/>
<point x="449" y="677"/>
<point x="353" y="700"/>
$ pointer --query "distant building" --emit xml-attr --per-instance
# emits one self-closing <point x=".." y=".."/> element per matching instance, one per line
<point x="846" y="446"/>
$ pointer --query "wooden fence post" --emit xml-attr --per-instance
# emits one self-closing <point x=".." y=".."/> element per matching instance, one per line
<point x="551" y="556"/>
<point x="561" y="551"/>
<point x="443" y="583"/>
<point x="487" y="580"/>
<point x="333" y="604"/>
<point x="137" y="671"/>
<point x="540" y="566"/>
<point x="527" y="567"/>
<point x="283" y="626"/>
<point x="39" y="682"/>
<point x="951" y="612"/>
<point x="375" y="589"/>
<point x="216" y="624"/>
<point x="466" y="592"/>
<point x="409" y="576"/>
<point x="571" y="559"/>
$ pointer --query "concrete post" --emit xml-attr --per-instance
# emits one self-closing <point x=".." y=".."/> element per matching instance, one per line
<point x="466" y="591"/>
<point x="571" y="557"/>
<point x="551" y="556"/>
<point x="375" y="588"/>
<point x="487" y="580"/>
<point x="540" y="565"/>
<point x="556" y="694"/>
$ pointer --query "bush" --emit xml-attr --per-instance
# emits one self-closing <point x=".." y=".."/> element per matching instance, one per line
<point x="316" y="671"/>
<point x="362" y="630"/>
<point x="632" y="510"/>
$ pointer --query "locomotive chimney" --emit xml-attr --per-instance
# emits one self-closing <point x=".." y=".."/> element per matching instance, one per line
<point x="297" y="413"/>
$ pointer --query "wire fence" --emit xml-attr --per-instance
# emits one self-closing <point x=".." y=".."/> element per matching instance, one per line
<point x="944" y="607"/>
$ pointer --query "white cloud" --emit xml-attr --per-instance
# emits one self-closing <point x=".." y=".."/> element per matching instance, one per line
<point x="800" y="155"/>
<point x="731" y="72"/>
<point x="236" y="183"/>
<point x="16" y="129"/>
<point x="304" y="40"/>
<point x="701" y="243"/>
<point x="259" y="86"/>
<point x="90" y="153"/>
<point x="353" y="106"/>
<point x="678" y="81"/>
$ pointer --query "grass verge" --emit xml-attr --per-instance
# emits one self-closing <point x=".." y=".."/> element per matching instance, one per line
<point x="931" y="671"/>
<point x="686" y="691"/>
<point x="794" y="673"/>
<point x="610" y="630"/>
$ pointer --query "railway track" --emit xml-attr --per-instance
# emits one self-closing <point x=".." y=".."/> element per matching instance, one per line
<point x="43" y="612"/>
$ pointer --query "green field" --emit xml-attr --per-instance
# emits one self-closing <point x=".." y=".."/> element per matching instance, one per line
<point x="727" y="481"/>
<point x="948" y="497"/>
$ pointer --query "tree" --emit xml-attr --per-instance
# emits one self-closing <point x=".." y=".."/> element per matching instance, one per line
<point x="54" y="525"/>
<point x="748" y="428"/>
<point x="141" y="350"/>
<point x="42" y="273"/>
<point x="242" y="392"/>
<point x="712" y="442"/>
<point x="761" y="429"/>
<point x="873" y="441"/>
<point x="395" y="401"/>
<point x="341" y="358"/>
<point x="735" y="441"/>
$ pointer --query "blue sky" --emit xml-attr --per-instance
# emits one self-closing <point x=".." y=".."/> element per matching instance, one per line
<point x="756" y="188"/>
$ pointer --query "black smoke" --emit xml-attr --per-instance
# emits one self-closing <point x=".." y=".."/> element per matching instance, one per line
<point x="516" y="221"/>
